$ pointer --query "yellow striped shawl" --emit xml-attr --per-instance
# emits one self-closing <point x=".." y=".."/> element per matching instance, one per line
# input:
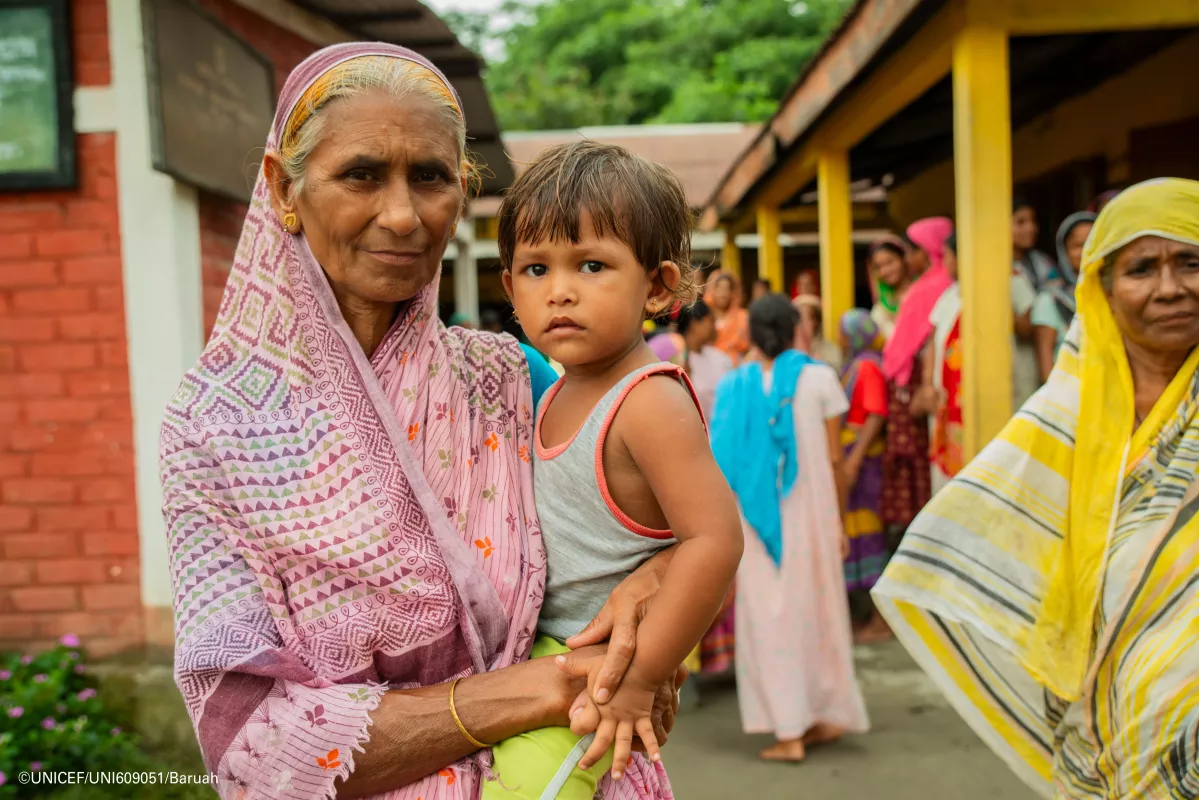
<point x="1058" y="634"/>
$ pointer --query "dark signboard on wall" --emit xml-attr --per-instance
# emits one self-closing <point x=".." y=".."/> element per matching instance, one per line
<point x="212" y="97"/>
<point x="37" y="126"/>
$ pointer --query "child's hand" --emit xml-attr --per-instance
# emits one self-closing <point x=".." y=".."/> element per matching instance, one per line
<point x="615" y="723"/>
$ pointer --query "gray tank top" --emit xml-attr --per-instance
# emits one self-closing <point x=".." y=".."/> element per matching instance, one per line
<point x="590" y="544"/>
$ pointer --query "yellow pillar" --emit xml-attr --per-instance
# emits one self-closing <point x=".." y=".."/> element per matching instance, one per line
<point x="835" y="215"/>
<point x="730" y="254"/>
<point x="770" y="252"/>
<point x="982" y="143"/>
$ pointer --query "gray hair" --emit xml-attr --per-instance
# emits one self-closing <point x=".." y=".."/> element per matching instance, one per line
<point x="398" y="77"/>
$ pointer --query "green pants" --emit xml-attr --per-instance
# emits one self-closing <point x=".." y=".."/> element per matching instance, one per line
<point x="542" y="764"/>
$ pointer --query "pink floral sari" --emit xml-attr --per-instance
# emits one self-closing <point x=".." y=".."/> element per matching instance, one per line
<point x="342" y="526"/>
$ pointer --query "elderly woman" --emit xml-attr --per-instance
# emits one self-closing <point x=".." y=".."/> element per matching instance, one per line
<point x="1050" y="589"/>
<point x="347" y="484"/>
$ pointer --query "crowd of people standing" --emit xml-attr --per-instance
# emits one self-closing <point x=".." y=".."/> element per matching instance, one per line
<point x="876" y="432"/>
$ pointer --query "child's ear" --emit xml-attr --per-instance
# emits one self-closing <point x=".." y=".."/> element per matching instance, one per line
<point x="506" y="278"/>
<point x="663" y="285"/>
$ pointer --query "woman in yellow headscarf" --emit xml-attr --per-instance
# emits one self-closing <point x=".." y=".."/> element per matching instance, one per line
<point x="1052" y="588"/>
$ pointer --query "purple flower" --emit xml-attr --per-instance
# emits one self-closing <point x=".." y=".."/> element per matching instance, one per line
<point x="35" y="766"/>
<point x="48" y="723"/>
<point x="16" y="711"/>
<point x="79" y="669"/>
<point x="70" y="640"/>
<point x="5" y="674"/>
<point x="3" y="779"/>
<point x="26" y="660"/>
<point x="39" y="678"/>
<point x="86" y="694"/>
<point x="116" y="731"/>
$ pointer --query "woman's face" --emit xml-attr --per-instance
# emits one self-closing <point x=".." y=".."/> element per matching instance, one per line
<point x="703" y="331"/>
<point x="808" y="283"/>
<point x="889" y="266"/>
<point x="722" y="294"/>
<point x="1155" y="294"/>
<point x="1024" y="229"/>
<point x="381" y="194"/>
<point x="1076" y="239"/>
<point x="917" y="261"/>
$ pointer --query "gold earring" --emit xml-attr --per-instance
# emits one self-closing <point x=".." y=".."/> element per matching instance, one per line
<point x="291" y="222"/>
<point x="454" y="230"/>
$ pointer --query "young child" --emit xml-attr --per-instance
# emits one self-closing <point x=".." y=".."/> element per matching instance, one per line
<point x="594" y="241"/>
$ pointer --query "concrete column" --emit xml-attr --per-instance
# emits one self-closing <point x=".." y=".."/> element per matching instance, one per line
<point x="466" y="272"/>
<point x="835" y="217"/>
<point x="160" y="251"/>
<point x="982" y="143"/>
<point x="770" y="252"/>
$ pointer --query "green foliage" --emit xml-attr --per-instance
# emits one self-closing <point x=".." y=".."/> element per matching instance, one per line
<point x="570" y="63"/>
<point x="52" y="719"/>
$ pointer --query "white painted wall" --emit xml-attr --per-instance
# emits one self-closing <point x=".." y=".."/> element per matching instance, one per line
<point x="466" y="271"/>
<point x="160" y="250"/>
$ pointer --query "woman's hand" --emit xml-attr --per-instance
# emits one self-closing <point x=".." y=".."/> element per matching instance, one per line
<point x="617" y="622"/>
<point x="666" y="701"/>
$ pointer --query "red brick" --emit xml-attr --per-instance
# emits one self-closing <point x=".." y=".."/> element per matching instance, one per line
<point x="124" y="516"/>
<point x="26" y="438"/>
<point x="62" y="410"/>
<point x="74" y="571"/>
<point x="82" y="624"/>
<point x="96" y="383"/>
<point x="106" y="490"/>
<point x="27" y="329"/>
<point x="64" y="300"/>
<point x="94" y="269"/>
<point x="10" y="412"/>
<point x="16" y="245"/>
<point x="72" y="518"/>
<point x="89" y="17"/>
<point x="31" y="218"/>
<point x="121" y="543"/>
<point x="8" y="359"/>
<point x="107" y="326"/>
<point x="91" y="46"/>
<point x="16" y="626"/>
<point x="13" y="465"/>
<point x="36" y="385"/>
<point x="81" y="463"/>
<point x="114" y="354"/>
<point x="45" y="598"/>
<point x="119" y="433"/>
<point x="91" y="214"/>
<point x="93" y="73"/>
<point x="15" y="519"/>
<point x="72" y="243"/>
<point x="27" y="273"/>
<point x="41" y="358"/>
<point x="116" y="410"/>
<point x="111" y="596"/>
<point x="110" y="298"/>
<point x="16" y="573"/>
<point x="38" y="545"/>
<point x="32" y="491"/>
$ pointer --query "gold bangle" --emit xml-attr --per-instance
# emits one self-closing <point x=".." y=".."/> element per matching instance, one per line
<point x="458" y="720"/>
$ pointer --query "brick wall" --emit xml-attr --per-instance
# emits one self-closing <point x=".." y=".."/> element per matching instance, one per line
<point x="68" y="531"/>
<point x="220" y="218"/>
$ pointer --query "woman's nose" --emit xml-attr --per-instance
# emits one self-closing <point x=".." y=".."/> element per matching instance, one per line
<point x="1168" y="284"/>
<point x="398" y="213"/>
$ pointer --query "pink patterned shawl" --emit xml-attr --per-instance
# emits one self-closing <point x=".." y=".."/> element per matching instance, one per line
<point x="912" y="327"/>
<point x="339" y="526"/>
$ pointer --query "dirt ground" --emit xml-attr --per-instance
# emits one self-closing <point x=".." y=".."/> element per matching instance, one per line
<point x="918" y="748"/>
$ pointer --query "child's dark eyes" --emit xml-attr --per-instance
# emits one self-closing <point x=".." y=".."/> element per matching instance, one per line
<point x="591" y="267"/>
<point x="535" y="270"/>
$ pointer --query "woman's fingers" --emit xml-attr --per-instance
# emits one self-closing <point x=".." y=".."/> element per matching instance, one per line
<point x="623" y="746"/>
<point x="596" y="632"/>
<point x="577" y="664"/>
<point x="585" y="720"/>
<point x="603" y="740"/>
<point x="622" y="645"/>
<point x="649" y="738"/>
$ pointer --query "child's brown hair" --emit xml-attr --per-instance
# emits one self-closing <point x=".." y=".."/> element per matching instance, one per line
<point x="634" y="200"/>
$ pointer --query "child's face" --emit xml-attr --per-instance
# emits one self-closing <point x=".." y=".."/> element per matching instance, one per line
<point x="584" y="303"/>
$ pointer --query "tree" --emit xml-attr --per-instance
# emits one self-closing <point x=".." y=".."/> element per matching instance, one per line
<point x="570" y="63"/>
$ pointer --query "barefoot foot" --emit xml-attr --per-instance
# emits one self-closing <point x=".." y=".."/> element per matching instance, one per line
<point x="822" y="733"/>
<point x="791" y="751"/>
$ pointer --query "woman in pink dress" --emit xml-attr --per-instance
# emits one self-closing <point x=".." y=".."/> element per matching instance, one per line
<point x="794" y="652"/>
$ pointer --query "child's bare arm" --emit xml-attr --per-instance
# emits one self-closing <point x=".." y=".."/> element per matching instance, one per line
<point x="663" y="432"/>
